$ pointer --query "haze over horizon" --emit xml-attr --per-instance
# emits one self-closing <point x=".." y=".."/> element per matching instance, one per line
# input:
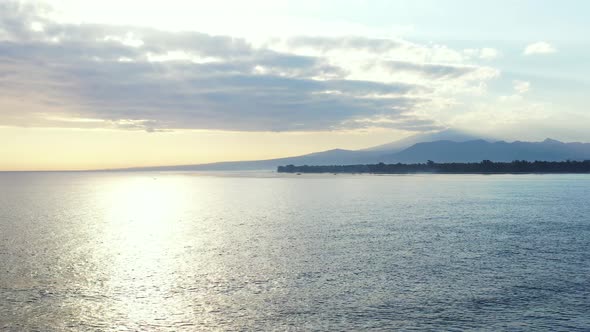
<point x="112" y="84"/>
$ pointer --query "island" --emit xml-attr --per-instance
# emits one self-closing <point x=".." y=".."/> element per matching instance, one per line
<point x="484" y="167"/>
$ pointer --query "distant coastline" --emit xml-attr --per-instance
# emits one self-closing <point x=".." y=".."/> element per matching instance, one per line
<point x="484" y="167"/>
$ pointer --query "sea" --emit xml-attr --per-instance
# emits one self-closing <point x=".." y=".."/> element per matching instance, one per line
<point x="156" y="251"/>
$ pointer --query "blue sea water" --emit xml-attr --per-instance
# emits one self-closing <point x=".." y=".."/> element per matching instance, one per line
<point x="266" y="251"/>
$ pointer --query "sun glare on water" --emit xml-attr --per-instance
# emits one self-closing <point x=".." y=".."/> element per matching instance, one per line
<point x="144" y="232"/>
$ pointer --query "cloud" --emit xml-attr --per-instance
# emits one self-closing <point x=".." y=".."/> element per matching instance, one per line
<point x="539" y="48"/>
<point x="103" y="76"/>
<point x="433" y="71"/>
<point x="486" y="53"/>
<point x="521" y="87"/>
<point x="358" y="43"/>
<point x="489" y="53"/>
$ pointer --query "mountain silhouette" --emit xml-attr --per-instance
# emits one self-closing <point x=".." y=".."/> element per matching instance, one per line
<point x="444" y="135"/>
<point x="444" y="147"/>
<point x="478" y="150"/>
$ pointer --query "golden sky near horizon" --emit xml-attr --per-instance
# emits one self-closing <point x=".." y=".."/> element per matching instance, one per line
<point x="112" y="84"/>
<point x="76" y="149"/>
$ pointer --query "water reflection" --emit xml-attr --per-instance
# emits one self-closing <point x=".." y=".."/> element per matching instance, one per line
<point x="146" y="235"/>
<point x="88" y="251"/>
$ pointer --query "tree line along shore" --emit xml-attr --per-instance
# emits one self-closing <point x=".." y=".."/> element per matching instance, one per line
<point x="484" y="167"/>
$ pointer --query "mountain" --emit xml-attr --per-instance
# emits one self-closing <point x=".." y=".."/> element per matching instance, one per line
<point x="444" y="135"/>
<point x="330" y="157"/>
<point x="443" y="147"/>
<point x="478" y="150"/>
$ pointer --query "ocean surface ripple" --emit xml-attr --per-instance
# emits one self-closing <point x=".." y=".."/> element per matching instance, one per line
<point x="186" y="252"/>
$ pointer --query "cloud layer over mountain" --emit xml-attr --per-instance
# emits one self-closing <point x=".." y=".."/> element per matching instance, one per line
<point x="55" y="74"/>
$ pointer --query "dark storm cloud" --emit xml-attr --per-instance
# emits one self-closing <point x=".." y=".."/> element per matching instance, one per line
<point x="104" y="72"/>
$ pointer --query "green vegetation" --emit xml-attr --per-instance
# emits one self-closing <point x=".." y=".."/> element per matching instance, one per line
<point x="484" y="167"/>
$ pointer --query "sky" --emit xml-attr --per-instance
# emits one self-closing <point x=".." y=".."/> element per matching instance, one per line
<point x="106" y="84"/>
